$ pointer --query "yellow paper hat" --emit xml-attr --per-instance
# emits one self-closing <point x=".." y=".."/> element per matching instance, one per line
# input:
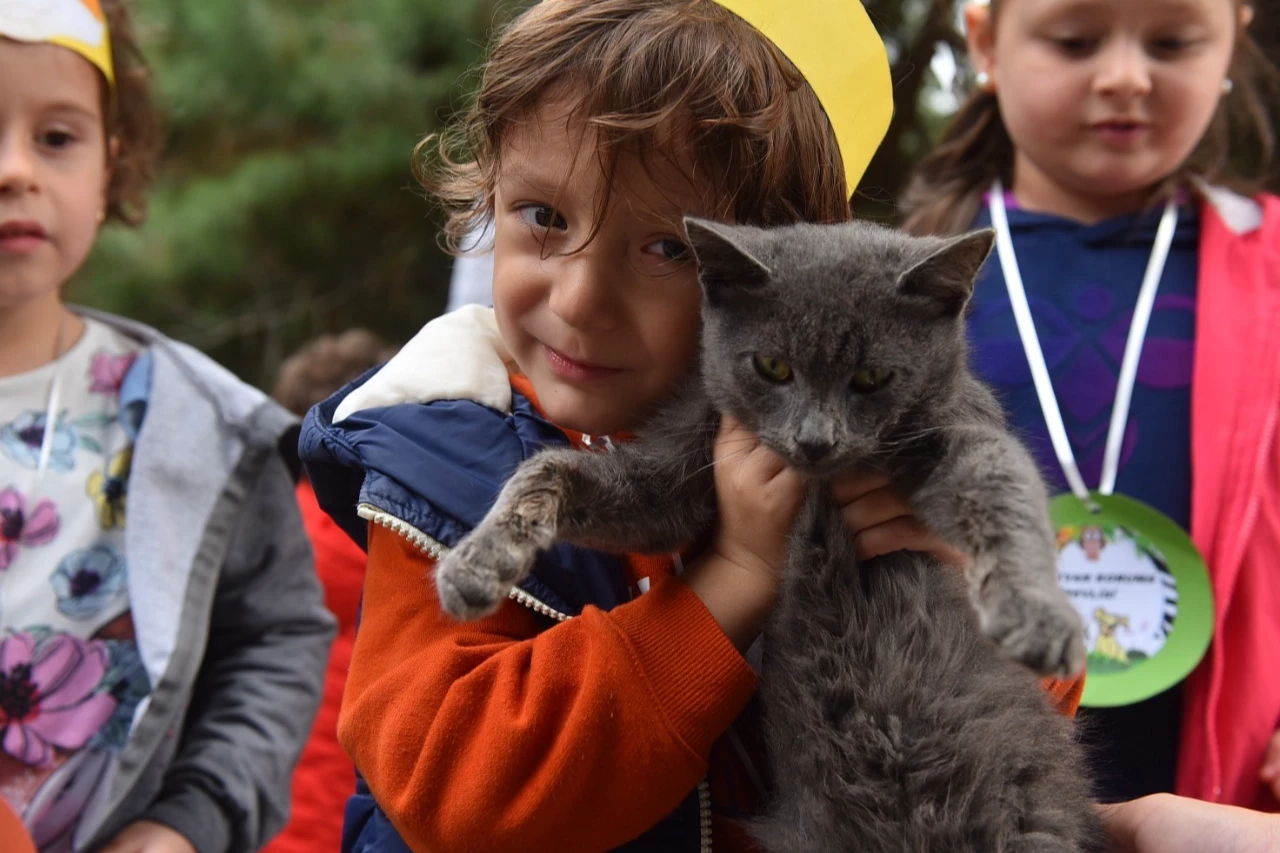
<point x="835" y="46"/>
<point x="78" y="25"/>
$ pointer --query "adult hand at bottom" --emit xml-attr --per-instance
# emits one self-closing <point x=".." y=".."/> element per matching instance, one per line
<point x="1163" y="823"/>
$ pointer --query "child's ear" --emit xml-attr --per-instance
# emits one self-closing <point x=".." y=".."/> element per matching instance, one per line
<point x="726" y="265"/>
<point x="1246" y="15"/>
<point x="980" y="38"/>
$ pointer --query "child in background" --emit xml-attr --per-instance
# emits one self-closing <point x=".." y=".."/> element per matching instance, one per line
<point x="587" y="712"/>
<point x="1094" y="116"/>
<point x="162" y="635"/>
<point x="324" y="776"/>
<point x="324" y="365"/>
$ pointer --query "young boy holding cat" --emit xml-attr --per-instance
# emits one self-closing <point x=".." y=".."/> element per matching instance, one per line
<point x="588" y="711"/>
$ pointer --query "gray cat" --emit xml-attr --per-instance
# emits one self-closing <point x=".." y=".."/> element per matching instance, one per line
<point x="893" y="723"/>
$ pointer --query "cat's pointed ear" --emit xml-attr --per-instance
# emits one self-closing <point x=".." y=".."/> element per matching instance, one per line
<point x="945" y="278"/>
<point x="726" y="266"/>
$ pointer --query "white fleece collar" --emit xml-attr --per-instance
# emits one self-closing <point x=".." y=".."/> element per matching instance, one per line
<point x="457" y="356"/>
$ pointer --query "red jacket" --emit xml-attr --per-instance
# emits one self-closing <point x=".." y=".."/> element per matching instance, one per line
<point x="1232" y="700"/>
<point x="325" y="776"/>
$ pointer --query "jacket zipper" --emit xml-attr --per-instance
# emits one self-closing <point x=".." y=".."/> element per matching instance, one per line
<point x="704" y="816"/>
<point x="416" y="537"/>
<point x="435" y="550"/>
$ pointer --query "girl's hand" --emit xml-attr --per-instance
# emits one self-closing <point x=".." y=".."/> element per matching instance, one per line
<point x="149" y="837"/>
<point x="1163" y="823"/>
<point x="1270" y="772"/>
<point x="881" y="522"/>
<point x="758" y="498"/>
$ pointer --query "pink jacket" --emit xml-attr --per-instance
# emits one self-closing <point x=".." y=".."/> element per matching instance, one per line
<point x="1232" y="700"/>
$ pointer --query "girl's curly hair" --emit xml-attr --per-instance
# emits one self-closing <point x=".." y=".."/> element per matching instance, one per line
<point x="133" y="127"/>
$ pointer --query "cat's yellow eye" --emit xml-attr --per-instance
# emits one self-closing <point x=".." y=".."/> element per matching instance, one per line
<point x="772" y="369"/>
<point x="870" y="379"/>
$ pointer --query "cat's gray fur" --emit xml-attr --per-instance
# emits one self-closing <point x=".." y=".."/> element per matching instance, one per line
<point x="893" y="723"/>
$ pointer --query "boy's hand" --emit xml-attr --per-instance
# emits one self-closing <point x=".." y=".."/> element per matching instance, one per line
<point x="1163" y="823"/>
<point x="1270" y="772"/>
<point x="881" y="522"/>
<point x="149" y="837"/>
<point x="758" y="497"/>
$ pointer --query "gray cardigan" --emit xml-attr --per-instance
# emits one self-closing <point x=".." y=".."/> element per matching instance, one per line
<point x="229" y="616"/>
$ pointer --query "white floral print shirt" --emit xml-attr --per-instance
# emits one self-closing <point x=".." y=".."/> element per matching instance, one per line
<point x="70" y="675"/>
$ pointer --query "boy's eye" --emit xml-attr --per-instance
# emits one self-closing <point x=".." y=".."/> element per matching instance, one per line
<point x="56" y="139"/>
<point x="669" y="248"/>
<point x="772" y="369"/>
<point x="542" y="217"/>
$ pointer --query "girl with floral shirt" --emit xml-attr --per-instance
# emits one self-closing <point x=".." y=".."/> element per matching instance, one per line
<point x="162" y="636"/>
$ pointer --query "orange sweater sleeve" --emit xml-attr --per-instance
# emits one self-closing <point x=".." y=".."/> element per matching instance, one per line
<point x="1065" y="693"/>
<point x="490" y="736"/>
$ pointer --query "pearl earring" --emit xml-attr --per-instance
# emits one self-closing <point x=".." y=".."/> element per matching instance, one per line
<point x="984" y="81"/>
<point x="1228" y="85"/>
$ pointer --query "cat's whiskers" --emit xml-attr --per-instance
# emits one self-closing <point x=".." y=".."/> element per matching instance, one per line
<point x="666" y="432"/>
<point x="909" y="437"/>
<point x="725" y="458"/>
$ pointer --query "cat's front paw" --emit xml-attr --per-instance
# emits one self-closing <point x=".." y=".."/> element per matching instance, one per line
<point x="1039" y="628"/>
<point x="476" y="576"/>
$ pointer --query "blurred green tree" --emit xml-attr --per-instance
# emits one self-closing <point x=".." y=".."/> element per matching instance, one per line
<point x="285" y="206"/>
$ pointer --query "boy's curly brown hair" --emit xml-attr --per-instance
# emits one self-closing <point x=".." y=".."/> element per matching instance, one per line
<point x="133" y="129"/>
<point x="647" y="76"/>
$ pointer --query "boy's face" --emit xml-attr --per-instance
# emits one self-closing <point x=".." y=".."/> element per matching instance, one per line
<point x="604" y="330"/>
<point x="53" y="172"/>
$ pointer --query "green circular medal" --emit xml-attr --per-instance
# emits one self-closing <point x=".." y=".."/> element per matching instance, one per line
<point x="1142" y="590"/>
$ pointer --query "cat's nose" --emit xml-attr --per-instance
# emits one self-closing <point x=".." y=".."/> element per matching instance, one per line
<point x="814" y="451"/>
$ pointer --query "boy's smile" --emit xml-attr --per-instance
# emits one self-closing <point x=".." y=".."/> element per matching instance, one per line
<point x="575" y="370"/>
<point x="600" y="309"/>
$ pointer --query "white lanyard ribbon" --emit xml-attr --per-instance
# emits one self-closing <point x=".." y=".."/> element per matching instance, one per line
<point x="1035" y="356"/>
